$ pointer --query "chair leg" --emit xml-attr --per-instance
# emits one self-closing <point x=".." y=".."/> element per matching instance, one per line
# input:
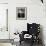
<point x="32" y="42"/>
<point x="20" y="42"/>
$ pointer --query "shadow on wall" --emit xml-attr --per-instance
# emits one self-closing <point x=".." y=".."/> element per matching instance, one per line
<point x="41" y="34"/>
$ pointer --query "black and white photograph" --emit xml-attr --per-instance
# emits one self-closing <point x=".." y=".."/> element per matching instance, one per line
<point x="21" y="13"/>
<point x="22" y="22"/>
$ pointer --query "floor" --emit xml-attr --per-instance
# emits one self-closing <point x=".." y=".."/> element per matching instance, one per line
<point x="27" y="44"/>
<point x="22" y="44"/>
<point x="5" y="44"/>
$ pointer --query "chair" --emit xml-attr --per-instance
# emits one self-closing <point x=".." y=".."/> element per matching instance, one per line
<point x="33" y="30"/>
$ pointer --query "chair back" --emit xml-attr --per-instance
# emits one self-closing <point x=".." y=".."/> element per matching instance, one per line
<point x="33" y="28"/>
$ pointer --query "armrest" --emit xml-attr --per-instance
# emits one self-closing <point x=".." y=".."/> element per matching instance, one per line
<point x="22" y="35"/>
<point x="24" y="32"/>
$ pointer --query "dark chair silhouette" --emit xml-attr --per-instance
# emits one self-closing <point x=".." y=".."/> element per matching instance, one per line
<point x="32" y="29"/>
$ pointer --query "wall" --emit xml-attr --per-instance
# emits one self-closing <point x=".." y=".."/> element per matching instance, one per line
<point x="35" y="13"/>
<point x="3" y="1"/>
<point x="3" y="21"/>
<point x="4" y="34"/>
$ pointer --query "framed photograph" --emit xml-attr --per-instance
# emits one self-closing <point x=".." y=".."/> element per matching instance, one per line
<point x="21" y="13"/>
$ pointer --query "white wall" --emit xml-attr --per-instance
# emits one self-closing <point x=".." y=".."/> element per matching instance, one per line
<point x="3" y="21"/>
<point x="3" y="1"/>
<point x="35" y="13"/>
<point x="4" y="34"/>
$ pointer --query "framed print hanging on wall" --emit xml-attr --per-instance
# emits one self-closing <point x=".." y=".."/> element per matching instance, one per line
<point x="21" y="13"/>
